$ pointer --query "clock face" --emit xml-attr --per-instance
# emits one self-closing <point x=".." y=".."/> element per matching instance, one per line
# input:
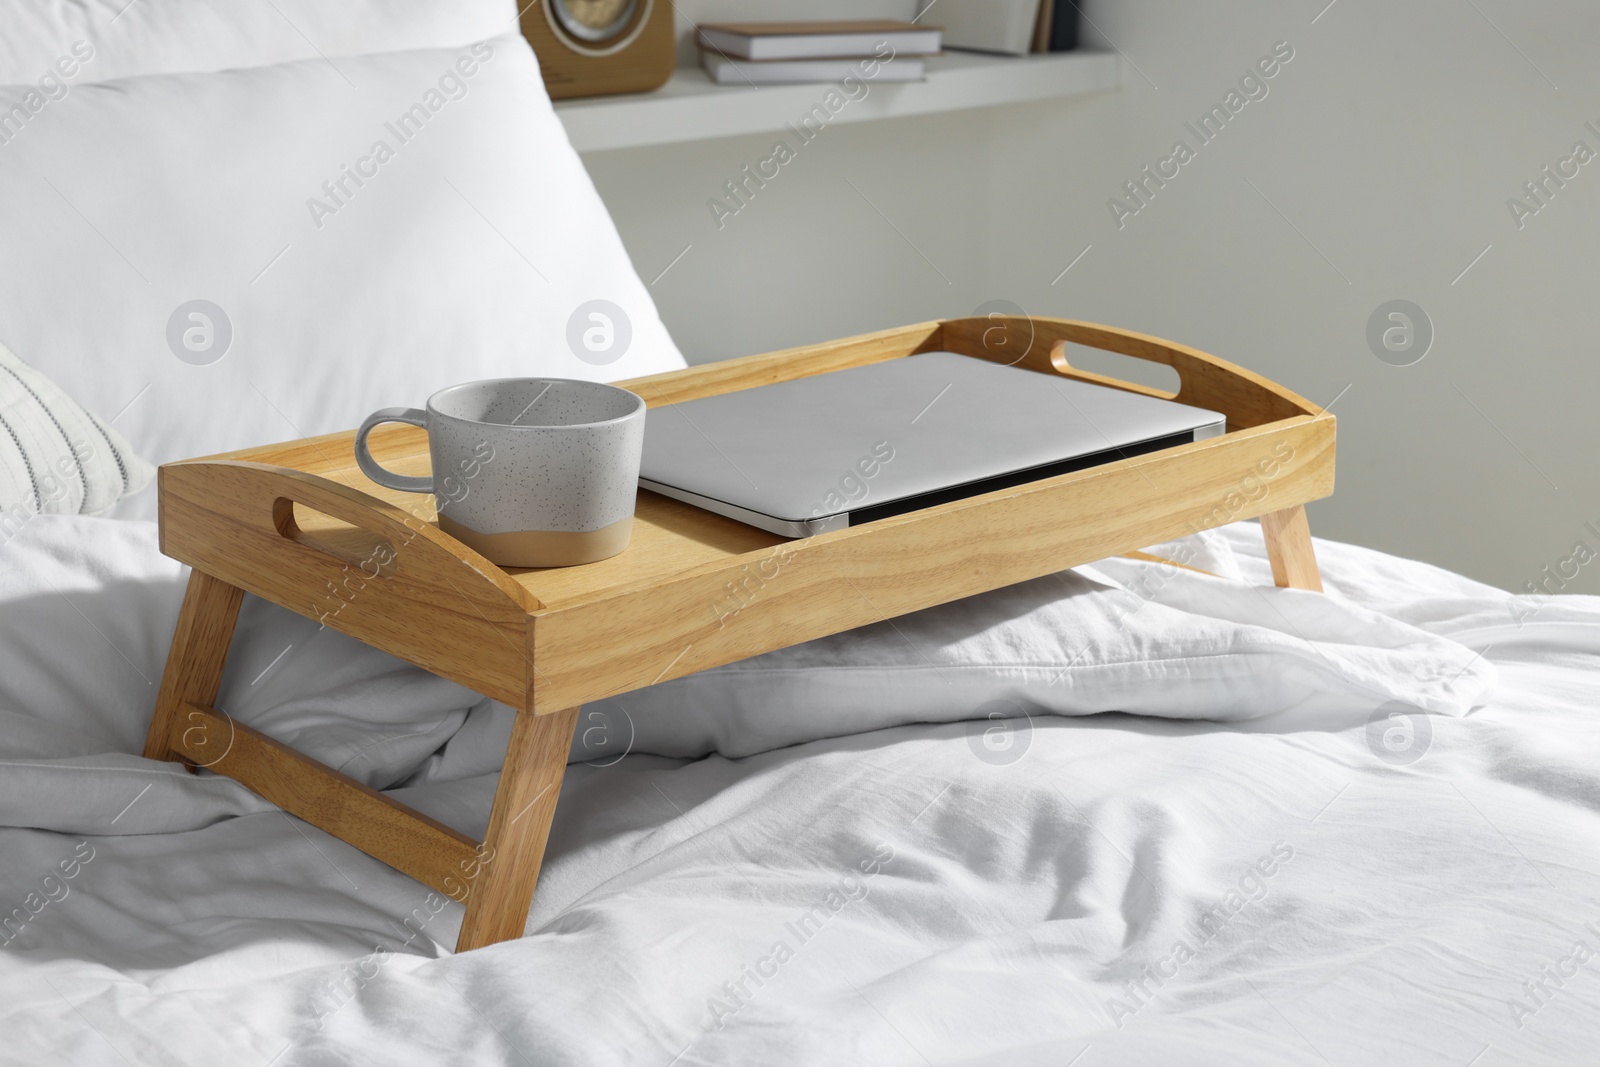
<point x="593" y="20"/>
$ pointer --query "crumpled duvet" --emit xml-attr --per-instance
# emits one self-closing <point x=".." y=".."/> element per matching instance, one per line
<point x="1348" y="880"/>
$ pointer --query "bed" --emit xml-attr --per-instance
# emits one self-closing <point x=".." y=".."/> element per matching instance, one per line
<point x="1128" y="813"/>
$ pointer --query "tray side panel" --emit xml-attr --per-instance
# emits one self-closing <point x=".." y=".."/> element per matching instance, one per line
<point x="802" y="590"/>
<point x="1206" y="381"/>
<point x="422" y="598"/>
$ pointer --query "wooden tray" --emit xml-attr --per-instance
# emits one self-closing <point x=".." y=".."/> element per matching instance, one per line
<point x="298" y="524"/>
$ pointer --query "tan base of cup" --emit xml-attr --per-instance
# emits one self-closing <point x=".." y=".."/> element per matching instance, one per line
<point x="543" y="548"/>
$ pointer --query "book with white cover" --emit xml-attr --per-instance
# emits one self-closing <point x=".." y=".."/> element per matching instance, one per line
<point x="818" y="40"/>
<point x="776" y="72"/>
<point x="1004" y="26"/>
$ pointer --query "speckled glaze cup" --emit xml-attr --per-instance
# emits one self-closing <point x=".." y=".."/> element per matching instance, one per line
<point x="530" y="472"/>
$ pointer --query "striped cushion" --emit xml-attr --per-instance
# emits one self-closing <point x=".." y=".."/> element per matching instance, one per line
<point x="55" y="457"/>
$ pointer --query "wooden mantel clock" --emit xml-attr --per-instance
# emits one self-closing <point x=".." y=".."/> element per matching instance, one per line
<point x="599" y="47"/>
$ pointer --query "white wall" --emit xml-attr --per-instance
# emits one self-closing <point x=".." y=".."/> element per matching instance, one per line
<point x="1390" y="145"/>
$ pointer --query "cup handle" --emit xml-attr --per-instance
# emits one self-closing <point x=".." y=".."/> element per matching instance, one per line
<point x="382" y="475"/>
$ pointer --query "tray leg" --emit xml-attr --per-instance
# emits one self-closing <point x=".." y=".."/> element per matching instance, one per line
<point x="1288" y="535"/>
<point x="519" y="827"/>
<point x="194" y="666"/>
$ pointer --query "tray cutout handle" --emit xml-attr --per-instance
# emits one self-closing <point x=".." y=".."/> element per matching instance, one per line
<point x="334" y="522"/>
<point x="1204" y="380"/>
<point x="374" y="554"/>
<point x="1152" y="376"/>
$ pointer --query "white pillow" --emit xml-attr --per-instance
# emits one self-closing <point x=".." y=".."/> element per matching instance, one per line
<point x="175" y="36"/>
<point x="476" y="248"/>
<point x="55" y="457"/>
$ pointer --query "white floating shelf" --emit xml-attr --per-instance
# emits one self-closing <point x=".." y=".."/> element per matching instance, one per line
<point x="691" y="108"/>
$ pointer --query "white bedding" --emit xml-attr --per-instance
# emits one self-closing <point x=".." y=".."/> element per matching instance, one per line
<point x="1421" y="890"/>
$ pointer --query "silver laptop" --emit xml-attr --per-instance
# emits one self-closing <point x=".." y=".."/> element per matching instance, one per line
<point x="816" y="454"/>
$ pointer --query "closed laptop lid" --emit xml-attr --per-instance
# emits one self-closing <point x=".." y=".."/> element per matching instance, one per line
<point x="836" y="442"/>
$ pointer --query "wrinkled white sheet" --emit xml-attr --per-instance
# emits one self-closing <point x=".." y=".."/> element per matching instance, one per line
<point x="86" y="606"/>
<point x="1301" y="888"/>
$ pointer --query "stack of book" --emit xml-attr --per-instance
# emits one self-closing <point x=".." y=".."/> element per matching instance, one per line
<point x="764" y="53"/>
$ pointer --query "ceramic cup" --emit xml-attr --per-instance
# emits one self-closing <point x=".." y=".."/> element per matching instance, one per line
<point x="530" y="472"/>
